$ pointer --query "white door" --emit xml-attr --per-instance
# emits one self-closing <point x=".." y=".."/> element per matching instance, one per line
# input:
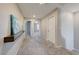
<point x="51" y="29"/>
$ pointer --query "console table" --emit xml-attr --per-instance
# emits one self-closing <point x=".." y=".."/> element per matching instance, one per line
<point x="12" y="38"/>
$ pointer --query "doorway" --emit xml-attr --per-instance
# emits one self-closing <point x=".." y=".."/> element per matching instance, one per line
<point x="28" y="24"/>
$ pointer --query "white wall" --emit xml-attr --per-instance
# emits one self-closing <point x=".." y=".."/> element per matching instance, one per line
<point x="66" y="19"/>
<point x="64" y="28"/>
<point x="76" y="31"/>
<point x="5" y="11"/>
<point x="67" y="24"/>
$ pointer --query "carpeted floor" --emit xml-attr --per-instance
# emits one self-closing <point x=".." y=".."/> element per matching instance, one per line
<point x="38" y="46"/>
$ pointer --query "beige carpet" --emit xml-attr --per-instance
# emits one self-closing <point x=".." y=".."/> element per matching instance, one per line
<point x="38" y="46"/>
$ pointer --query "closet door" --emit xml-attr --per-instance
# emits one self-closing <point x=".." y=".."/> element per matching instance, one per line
<point x="51" y="29"/>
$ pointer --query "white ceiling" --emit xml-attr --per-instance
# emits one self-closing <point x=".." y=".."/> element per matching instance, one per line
<point x="37" y="9"/>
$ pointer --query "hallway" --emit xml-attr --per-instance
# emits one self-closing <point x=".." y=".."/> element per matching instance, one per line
<point x="51" y="29"/>
<point x="37" y="46"/>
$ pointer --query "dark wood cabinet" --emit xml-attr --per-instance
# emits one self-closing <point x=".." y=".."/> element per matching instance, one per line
<point x="8" y="39"/>
<point x="13" y="37"/>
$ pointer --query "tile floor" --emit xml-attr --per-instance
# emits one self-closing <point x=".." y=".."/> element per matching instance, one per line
<point x="36" y="46"/>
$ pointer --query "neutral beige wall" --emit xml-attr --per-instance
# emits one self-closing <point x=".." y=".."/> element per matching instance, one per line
<point x="44" y="25"/>
<point x="43" y="29"/>
<point x="5" y="11"/>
